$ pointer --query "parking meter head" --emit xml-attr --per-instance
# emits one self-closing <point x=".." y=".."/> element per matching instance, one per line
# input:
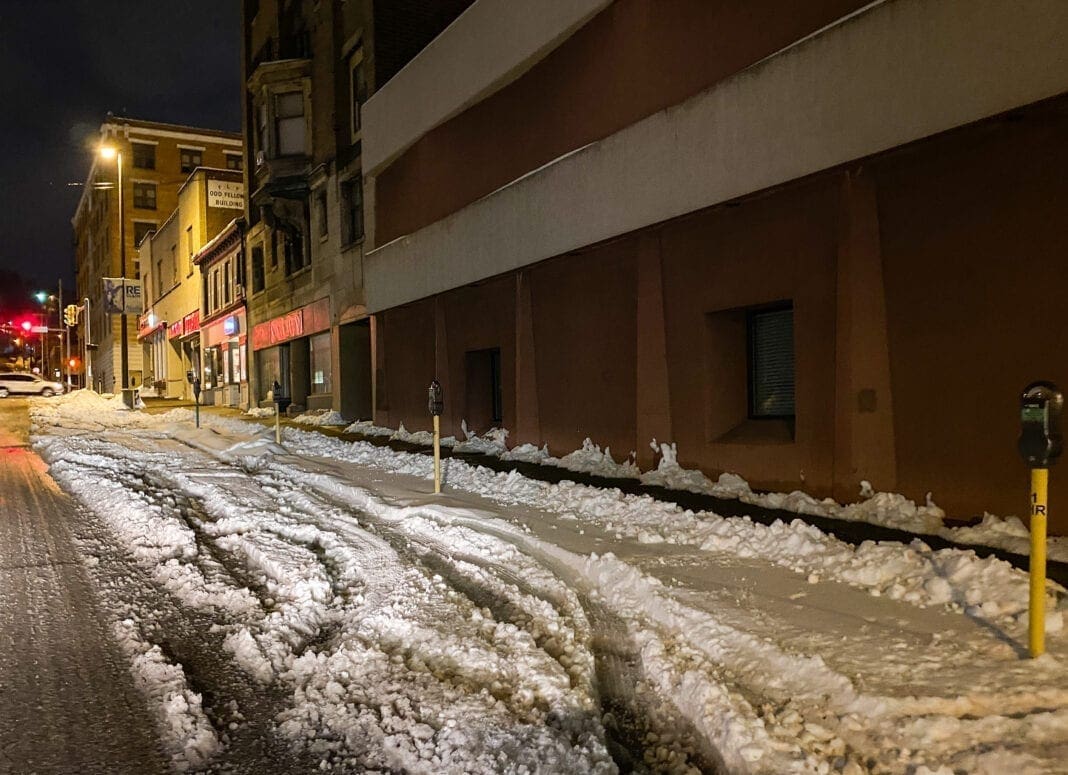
<point x="1040" y="441"/>
<point x="189" y="377"/>
<point x="196" y="387"/>
<point x="436" y="399"/>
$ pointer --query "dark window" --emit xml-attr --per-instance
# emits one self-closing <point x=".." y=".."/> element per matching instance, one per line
<point x="771" y="363"/>
<point x="358" y="91"/>
<point x="293" y="247"/>
<point x="144" y="195"/>
<point x="352" y="209"/>
<point x="144" y="156"/>
<point x="191" y="159"/>
<point x="258" y="282"/>
<point x="234" y="161"/>
<point x="495" y="380"/>
<point x="141" y="230"/>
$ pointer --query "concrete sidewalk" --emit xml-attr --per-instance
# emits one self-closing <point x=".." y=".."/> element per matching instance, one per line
<point x="851" y="532"/>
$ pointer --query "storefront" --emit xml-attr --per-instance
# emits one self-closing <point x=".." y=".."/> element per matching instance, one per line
<point x="152" y="334"/>
<point x="225" y="361"/>
<point x="296" y="350"/>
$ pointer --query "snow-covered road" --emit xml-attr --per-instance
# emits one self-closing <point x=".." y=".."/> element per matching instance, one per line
<point x="67" y="702"/>
<point x="312" y="604"/>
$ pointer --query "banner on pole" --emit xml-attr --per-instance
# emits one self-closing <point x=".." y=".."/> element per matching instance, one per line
<point x="122" y="295"/>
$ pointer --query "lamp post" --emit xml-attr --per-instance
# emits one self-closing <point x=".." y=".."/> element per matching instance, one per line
<point x="109" y="152"/>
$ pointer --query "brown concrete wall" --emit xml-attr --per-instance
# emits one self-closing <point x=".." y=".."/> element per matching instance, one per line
<point x="973" y="242"/>
<point x="479" y="318"/>
<point x="405" y="365"/>
<point x="635" y="58"/>
<point x="767" y="250"/>
<point x="925" y="286"/>
<point x="584" y="339"/>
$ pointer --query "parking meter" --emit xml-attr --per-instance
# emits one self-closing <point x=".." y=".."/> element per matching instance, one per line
<point x="281" y="403"/>
<point x="1040" y="445"/>
<point x="189" y="377"/>
<point x="436" y="399"/>
<point x="436" y="405"/>
<point x="196" y="396"/>
<point x="1040" y="442"/>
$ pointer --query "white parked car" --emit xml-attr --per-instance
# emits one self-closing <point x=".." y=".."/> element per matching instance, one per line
<point x="15" y="383"/>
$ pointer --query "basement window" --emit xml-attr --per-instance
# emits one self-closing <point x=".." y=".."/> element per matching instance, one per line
<point x="771" y="363"/>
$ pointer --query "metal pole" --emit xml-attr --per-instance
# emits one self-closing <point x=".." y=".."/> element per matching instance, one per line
<point x="125" y="355"/>
<point x="1039" y="513"/>
<point x="85" y="347"/>
<point x="64" y="347"/>
<point x="437" y="454"/>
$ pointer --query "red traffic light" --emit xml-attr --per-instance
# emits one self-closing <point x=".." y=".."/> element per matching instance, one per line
<point x="26" y="325"/>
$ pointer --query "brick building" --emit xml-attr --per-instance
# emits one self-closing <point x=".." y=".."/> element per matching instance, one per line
<point x="801" y="240"/>
<point x="308" y="67"/>
<point x="157" y="160"/>
<point x="183" y="296"/>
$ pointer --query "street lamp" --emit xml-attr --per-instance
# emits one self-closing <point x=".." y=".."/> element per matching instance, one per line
<point x="111" y="152"/>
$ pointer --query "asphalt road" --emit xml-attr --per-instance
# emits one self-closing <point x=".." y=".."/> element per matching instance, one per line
<point x="67" y="701"/>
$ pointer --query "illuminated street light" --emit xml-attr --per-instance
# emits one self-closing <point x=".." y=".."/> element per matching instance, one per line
<point x="111" y="152"/>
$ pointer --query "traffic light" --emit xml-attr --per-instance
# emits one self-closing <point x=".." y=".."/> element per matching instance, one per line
<point x="70" y="314"/>
<point x="26" y="325"/>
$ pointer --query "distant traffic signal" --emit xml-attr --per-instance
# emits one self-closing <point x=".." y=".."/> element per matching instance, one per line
<point x="26" y="325"/>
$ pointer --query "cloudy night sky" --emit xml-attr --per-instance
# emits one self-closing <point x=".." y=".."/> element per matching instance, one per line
<point x="63" y="65"/>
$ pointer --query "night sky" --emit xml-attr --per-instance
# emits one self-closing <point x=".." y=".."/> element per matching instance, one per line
<point x="63" y="65"/>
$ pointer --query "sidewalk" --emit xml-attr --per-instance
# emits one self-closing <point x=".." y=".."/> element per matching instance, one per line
<point x="852" y="532"/>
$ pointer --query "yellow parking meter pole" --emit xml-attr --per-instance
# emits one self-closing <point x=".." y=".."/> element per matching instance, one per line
<point x="1036" y="620"/>
<point x="437" y="454"/>
<point x="1040" y="445"/>
<point x="436" y="405"/>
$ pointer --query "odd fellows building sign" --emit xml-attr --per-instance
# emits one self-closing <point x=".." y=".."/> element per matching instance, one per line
<point x="307" y="320"/>
<point x="226" y="193"/>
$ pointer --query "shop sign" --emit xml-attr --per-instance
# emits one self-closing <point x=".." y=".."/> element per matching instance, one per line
<point x="175" y="330"/>
<point x="280" y="329"/>
<point x="230" y="325"/>
<point x="191" y="322"/>
<point x="146" y="324"/>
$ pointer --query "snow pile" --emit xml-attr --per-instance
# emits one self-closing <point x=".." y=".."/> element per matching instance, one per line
<point x="261" y="411"/>
<point x="493" y="442"/>
<point x="321" y="417"/>
<point x="425" y="438"/>
<point x="589" y="459"/>
<point x="669" y="473"/>
<point x="187" y="735"/>
<point x="368" y="428"/>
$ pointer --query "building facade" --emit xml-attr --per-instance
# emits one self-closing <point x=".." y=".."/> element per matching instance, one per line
<point x="157" y="159"/>
<point x="175" y="287"/>
<point x="802" y="241"/>
<point x="309" y="67"/>
<point x="223" y="321"/>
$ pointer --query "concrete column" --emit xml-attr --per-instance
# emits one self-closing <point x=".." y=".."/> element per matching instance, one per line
<point x="864" y="427"/>
<point x="653" y="403"/>
<point x="379" y="396"/>
<point x="527" y="419"/>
